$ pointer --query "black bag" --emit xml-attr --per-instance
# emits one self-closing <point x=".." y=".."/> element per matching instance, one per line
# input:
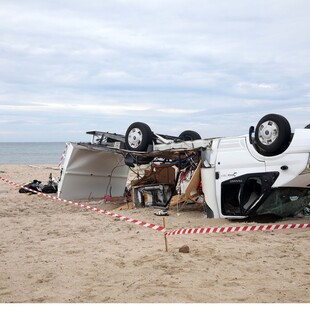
<point x="34" y="185"/>
<point x="50" y="188"/>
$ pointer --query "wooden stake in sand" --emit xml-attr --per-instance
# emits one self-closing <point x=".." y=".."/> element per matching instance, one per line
<point x="89" y="197"/>
<point x="166" y="241"/>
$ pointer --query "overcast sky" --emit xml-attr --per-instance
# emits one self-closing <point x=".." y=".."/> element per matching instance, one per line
<point x="215" y="67"/>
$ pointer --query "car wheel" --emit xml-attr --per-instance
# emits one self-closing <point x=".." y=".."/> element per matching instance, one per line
<point x="272" y="134"/>
<point x="138" y="137"/>
<point x="308" y="126"/>
<point x="189" y="135"/>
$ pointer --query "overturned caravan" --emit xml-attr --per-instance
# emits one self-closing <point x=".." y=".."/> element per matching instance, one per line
<point x="264" y="172"/>
<point x="88" y="172"/>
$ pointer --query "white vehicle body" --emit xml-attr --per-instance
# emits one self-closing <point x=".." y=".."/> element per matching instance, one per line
<point x="231" y="163"/>
<point x="238" y="180"/>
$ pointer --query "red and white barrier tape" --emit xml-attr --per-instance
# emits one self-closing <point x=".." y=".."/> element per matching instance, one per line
<point x="183" y="231"/>
<point x="211" y="230"/>
<point x="89" y="208"/>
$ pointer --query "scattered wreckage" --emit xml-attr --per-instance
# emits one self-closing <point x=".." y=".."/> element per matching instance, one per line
<point x="266" y="171"/>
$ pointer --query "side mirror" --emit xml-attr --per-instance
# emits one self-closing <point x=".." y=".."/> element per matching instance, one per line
<point x="251" y="134"/>
<point x="129" y="161"/>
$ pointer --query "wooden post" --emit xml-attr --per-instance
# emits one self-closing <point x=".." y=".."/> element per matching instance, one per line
<point x="166" y="241"/>
<point x="89" y="197"/>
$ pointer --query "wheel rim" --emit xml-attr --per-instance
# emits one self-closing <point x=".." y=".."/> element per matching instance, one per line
<point x="268" y="132"/>
<point x="135" y="137"/>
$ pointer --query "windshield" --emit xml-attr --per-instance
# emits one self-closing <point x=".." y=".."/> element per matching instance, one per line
<point x="285" y="202"/>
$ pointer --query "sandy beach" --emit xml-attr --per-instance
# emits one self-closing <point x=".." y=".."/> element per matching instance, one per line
<point x="52" y="252"/>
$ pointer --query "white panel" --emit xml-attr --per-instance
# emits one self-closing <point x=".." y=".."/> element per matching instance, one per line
<point x="208" y="187"/>
<point x="92" y="173"/>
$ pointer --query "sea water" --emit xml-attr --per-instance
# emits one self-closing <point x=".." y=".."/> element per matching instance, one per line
<point x="31" y="152"/>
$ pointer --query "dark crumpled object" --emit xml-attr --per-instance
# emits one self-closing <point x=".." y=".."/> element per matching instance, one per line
<point x="37" y="186"/>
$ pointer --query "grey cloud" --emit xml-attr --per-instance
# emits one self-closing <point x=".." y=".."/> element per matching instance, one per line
<point x="222" y="62"/>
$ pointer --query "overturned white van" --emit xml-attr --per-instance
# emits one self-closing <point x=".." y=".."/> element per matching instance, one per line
<point x="266" y="171"/>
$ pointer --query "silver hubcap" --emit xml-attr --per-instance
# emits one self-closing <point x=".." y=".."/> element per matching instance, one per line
<point x="268" y="132"/>
<point x="135" y="137"/>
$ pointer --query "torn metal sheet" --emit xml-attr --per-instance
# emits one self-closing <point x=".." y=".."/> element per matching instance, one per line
<point x="90" y="172"/>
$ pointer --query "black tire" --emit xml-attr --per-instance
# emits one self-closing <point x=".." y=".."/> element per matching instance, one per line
<point x="272" y="135"/>
<point x="308" y="126"/>
<point x="189" y="135"/>
<point x="138" y="137"/>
